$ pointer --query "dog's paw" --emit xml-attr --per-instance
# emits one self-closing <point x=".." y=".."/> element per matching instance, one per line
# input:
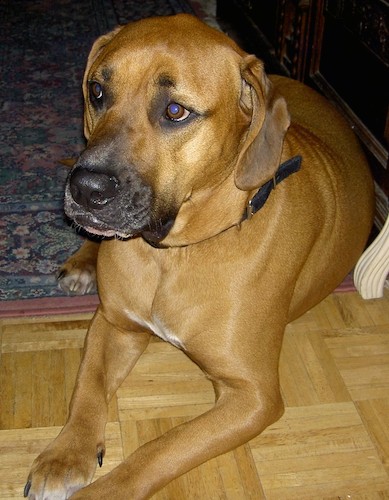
<point x="77" y="279"/>
<point x="78" y="274"/>
<point x="60" y="472"/>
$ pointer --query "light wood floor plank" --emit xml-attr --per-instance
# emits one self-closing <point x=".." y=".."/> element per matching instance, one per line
<point x="375" y="415"/>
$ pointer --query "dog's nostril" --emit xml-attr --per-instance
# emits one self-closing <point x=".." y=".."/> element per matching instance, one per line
<point x="92" y="190"/>
<point x="98" y="198"/>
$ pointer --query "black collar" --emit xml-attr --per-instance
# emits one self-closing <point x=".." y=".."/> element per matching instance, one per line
<point x="259" y="199"/>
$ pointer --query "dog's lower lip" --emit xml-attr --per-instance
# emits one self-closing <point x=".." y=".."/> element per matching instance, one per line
<point x="109" y="233"/>
<point x="159" y="234"/>
<point x="97" y="228"/>
<point x="92" y="230"/>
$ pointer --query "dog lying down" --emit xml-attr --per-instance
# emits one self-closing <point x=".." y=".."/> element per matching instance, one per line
<point x="231" y="202"/>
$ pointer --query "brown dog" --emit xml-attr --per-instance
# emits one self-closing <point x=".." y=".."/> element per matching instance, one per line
<point x="187" y="136"/>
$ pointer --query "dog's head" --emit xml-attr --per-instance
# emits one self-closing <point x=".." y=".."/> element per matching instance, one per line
<point x="181" y="125"/>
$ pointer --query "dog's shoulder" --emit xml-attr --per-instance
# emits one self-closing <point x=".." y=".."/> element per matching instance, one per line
<point x="321" y="121"/>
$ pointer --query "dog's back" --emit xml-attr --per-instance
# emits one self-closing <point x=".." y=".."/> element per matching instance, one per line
<point x="325" y="132"/>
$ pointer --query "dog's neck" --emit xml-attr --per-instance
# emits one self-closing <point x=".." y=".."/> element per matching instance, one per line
<point x="259" y="199"/>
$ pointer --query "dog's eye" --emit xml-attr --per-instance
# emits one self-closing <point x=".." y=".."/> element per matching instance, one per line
<point x="176" y="113"/>
<point x="96" y="90"/>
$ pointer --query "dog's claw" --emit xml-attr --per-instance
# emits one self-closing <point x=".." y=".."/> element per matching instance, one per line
<point x="100" y="456"/>
<point x="61" y="274"/>
<point x="27" y="489"/>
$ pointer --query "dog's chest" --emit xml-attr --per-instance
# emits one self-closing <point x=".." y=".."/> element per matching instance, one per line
<point x="157" y="326"/>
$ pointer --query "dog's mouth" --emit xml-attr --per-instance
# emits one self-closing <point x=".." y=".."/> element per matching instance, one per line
<point x="111" y="206"/>
<point x="85" y="221"/>
<point x="152" y="235"/>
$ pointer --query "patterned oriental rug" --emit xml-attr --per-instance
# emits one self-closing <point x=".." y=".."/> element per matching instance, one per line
<point x="43" y="50"/>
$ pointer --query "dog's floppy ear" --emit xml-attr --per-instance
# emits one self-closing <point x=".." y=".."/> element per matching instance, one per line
<point x="97" y="47"/>
<point x="260" y="154"/>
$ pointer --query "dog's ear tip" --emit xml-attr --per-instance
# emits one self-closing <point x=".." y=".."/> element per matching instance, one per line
<point x="247" y="181"/>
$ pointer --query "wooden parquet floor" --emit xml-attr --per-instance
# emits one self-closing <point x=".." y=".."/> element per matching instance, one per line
<point x="332" y="442"/>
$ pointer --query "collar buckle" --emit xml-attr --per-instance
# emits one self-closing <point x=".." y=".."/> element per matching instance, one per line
<point x="249" y="210"/>
<point x="259" y="199"/>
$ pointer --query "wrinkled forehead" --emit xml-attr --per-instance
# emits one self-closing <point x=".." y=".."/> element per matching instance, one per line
<point x="174" y="32"/>
<point x="174" y="51"/>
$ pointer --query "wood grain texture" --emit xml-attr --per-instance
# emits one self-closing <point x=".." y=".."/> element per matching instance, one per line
<point x="331" y="443"/>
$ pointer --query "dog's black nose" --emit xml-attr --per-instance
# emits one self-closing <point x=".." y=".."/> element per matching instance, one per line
<point x="92" y="190"/>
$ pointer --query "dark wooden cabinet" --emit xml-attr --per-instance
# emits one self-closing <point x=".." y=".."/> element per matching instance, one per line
<point x="338" y="46"/>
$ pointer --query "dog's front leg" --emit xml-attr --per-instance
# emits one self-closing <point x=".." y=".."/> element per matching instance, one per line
<point x="247" y="401"/>
<point x="236" y="418"/>
<point x="69" y="462"/>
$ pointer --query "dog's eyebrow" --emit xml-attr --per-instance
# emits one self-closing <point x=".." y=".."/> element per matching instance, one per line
<point x="106" y="73"/>
<point x="165" y="81"/>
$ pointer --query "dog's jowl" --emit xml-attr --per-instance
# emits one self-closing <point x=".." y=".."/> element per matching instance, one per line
<point x="230" y="203"/>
